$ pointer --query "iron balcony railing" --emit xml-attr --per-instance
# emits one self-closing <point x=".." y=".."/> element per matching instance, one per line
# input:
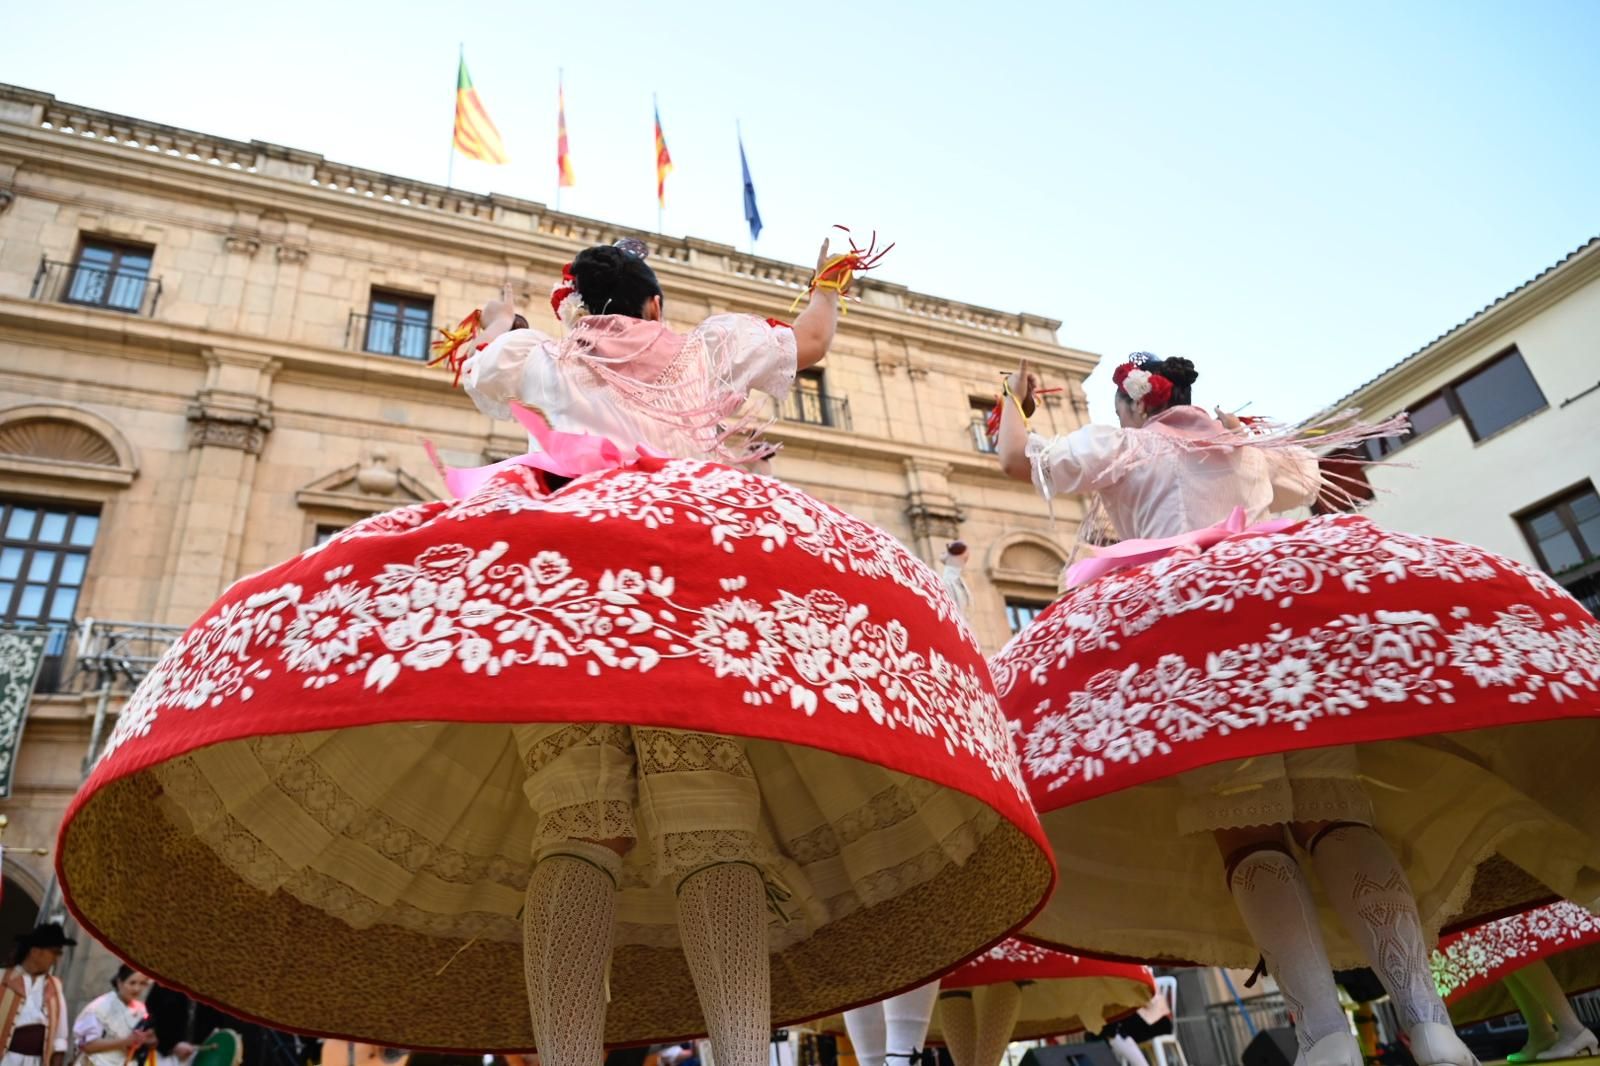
<point x="817" y="409"/>
<point x="388" y="335"/>
<point x="87" y="285"/>
<point x="95" y="653"/>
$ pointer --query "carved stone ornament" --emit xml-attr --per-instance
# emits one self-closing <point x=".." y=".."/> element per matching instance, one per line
<point x="7" y="198"/>
<point x="241" y="244"/>
<point x="242" y="430"/>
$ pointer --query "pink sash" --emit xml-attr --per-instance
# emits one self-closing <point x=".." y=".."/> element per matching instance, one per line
<point x="1128" y="553"/>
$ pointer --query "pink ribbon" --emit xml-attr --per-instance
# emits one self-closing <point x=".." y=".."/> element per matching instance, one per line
<point x="564" y="454"/>
<point x="1129" y="553"/>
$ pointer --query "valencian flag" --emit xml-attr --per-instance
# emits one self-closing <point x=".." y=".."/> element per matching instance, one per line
<point x="564" y="178"/>
<point x="475" y="134"/>
<point x="663" y="163"/>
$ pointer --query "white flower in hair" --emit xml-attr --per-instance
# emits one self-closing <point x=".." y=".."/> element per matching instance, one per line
<point x="571" y="308"/>
<point x="1136" y="383"/>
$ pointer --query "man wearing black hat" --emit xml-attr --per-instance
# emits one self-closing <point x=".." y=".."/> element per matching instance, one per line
<point x="33" y="1006"/>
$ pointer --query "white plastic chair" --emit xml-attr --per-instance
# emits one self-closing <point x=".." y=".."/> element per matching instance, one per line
<point x="1167" y="1050"/>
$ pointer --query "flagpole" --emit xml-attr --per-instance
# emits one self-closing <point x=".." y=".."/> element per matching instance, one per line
<point x="738" y="133"/>
<point x="655" y="108"/>
<point x="450" y="168"/>
<point x="561" y="96"/>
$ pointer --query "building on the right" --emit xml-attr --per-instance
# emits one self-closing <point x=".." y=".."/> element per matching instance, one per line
<point x="1504" y="445"/>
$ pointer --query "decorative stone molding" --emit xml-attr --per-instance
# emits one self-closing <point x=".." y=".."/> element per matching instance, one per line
<point x="362" y="488"/>
<point x="935" y="521"/>
<point x="1026" y="564"/>
<point x="292" y="253"/>
<point x="59" y="442"/>
<point x="7" y="198"/>
<point x="241" y="244"/>
<point x="229" y="420"/>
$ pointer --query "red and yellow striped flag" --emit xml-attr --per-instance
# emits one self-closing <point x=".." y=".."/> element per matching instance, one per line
<point x="564" y="178"/>
<point x="663" y="163"/>
<point x="475" y="135"/>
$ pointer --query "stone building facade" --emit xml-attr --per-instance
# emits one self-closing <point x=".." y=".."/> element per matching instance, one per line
<point x="210" y="356"/>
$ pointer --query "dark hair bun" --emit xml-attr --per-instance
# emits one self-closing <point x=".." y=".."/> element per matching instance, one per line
<point x="1179" y="371"/>
<point x="612" y="282"/>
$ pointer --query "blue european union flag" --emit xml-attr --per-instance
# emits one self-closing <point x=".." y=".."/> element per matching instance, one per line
<point x="752" y="214"/>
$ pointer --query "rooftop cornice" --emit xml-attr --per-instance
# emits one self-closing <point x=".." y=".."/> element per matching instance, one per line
<point x="44" y="132"/>
<point x="1394" y="387"/>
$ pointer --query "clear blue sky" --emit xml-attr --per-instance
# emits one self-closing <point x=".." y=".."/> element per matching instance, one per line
<point x="1293" y="195"/>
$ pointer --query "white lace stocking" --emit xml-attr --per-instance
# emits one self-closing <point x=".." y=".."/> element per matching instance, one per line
<point x="868" y="1034"/>
<point x="1270" y="890"/>
<point x="566" y="944"/>
<point x="722" y="915"/>
<point x="997" y="1007"/>
<point x="1370" y="892"/>
<point x="905" y="1022"/>
<point x="958" y="1021"/>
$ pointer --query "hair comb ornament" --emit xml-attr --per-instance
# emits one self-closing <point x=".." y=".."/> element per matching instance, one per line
<point x="634" y="247"/>
<point x="1141" y="358"/>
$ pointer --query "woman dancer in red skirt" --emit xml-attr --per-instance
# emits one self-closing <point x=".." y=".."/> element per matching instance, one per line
<point x="1410" y="719"/>
<point x="623" y="745"/>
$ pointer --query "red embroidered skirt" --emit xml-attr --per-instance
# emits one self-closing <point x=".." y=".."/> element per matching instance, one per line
<point x="314" y="802"/>
<point x="1463" y="686"/>
<point x="1469" y="966"/>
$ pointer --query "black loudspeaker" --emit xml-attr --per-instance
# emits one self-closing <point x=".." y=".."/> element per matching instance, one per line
<point x="827" y="1049"/>
<point x="1093" y="1053"/>
<point x="1272" y="1047"/>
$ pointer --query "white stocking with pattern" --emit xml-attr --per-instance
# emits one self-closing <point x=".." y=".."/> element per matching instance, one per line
<point x="722" y="915"/>
<point x="567" y="923"/>
<point x="1270" y="890"/>
<point x="1373" y="899"/>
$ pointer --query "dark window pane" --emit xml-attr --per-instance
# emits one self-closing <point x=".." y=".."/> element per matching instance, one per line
<point x="1560" y="551"/>
<point x="72" y="565"/>
<point x="1546" y="523"/>
<point x="10" y="562"/>
<point x="1498" y="395"/>
<point x="1585" y="506"/>
<point x="1430" y="414"/>
<point x="135" y="263"/>
<point x="96" y="255"/>
<point x="413" y="340"/>
<point x="53" y="529"/>
<point x="418" y="315"/>
<point x="41" y="566"/>
<point x="84" y="529"/>
<point x="21" y="523"/>
<point x="384" y="308"/>
<point x="31" y="602"/>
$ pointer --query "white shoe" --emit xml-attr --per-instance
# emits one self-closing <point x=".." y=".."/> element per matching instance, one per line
<point x="1536" y="1046"/>
<point x="1335" y="1049"/>
<point x="1582" y="1042"/>
<point x="1436" y="1044"/>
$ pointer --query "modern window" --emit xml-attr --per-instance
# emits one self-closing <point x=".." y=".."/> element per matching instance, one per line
<point x="1488" y="399"/>
<point x="110" y="274"/>
<point x="1020" y="613"/>
<point x="44" y="554"/>
<point x="979" y="422"/>
<point x="1565" y="532"/>
<point x="810" y="402"/>
<point x="399" y="324"/>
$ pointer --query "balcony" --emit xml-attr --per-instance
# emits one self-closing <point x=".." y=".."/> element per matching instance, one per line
<point x="95" y="654"/>
<point x="813" y="407"/>
<point x="129" y="291"/>
<point x="404" y="337"/>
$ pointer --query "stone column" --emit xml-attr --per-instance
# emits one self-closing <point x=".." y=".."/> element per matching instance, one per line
<point x="933" y="513"/>
<point x="229" y="420"/>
